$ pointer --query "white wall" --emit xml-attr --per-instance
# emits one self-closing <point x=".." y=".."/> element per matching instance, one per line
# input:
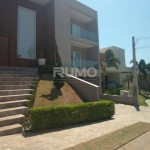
<point x="119" y="52"/>
<point x="62" y="30"/>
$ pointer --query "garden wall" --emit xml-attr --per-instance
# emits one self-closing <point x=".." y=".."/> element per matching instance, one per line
<point x="88" y="90"/>
<point x="121" y="99"/>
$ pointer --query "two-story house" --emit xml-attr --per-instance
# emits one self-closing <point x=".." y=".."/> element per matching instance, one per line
<point x="25" y="25"/>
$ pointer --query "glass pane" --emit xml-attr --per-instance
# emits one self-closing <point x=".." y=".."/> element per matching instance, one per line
<point x="76" y="60"/>
<point x="83" y="33"/>
<point x="88" y="35"/>
<point x="75" y="30"/>
<point x="94" y="37"/>
<point x="26" y="33"/>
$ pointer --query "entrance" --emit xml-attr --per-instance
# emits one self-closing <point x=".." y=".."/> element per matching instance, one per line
<point x="5" y="51"/>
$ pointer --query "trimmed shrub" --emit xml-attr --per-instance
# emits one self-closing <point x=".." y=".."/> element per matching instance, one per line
<point x="58" y="82"/>
<point x="58" y="58"/>
<point x="60" y="116"/>
<point x="45" y="69"/>
<point x="114" y="91"/>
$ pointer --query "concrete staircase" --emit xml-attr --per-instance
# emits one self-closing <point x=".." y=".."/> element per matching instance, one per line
<point x="15" y="87"/>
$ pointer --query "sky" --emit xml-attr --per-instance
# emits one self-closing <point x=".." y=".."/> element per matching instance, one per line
<point x="119" y="21"/>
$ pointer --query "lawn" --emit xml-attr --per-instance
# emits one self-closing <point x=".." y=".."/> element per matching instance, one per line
<point x="47" y="96"/>
<point x="142" y="99"/>
<point x="115" y="139"/>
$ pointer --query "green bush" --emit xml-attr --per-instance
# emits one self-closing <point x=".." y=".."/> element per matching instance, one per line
<point x="58" y="58"/>
<point x="114" y="91"/>
<point x="34" y="86"/>
<point x="60" y="116"/>
<point x="45" y="69"/>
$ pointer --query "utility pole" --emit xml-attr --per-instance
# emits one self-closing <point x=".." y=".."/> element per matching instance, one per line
<point x="135" y="81"/>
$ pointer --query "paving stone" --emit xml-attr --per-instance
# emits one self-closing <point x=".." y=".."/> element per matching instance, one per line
<point x="60" y="139"/>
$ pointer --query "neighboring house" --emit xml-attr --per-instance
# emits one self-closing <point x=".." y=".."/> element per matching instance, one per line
<point x="25" y="25"/>
<point x="114" y="75"/>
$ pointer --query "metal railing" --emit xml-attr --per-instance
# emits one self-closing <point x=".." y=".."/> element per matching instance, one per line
<point x="84" y="64"/>
<point x="80" y="32"/>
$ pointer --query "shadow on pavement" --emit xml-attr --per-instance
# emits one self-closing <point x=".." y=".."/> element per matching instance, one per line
<point x="28" y="134"/>
<point x="137" y="107"/>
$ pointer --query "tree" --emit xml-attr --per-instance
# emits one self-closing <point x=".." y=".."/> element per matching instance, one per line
<point x="128" y="79"/>
<point x="58" y="80"/>
<point x="110" y="60"/>
<point x="57" y="56"/>
<point x="148" y="67"/>
<point x="142" y="72"/>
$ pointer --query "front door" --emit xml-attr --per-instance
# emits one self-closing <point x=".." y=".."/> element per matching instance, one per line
<point x="5" y="51"/>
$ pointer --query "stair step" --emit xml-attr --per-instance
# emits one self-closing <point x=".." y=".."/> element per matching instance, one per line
<point x="14" y="97"/>
<point x="18" y="72"/>
<point x="5" y="68"/>
<point x="9" y="120"/>
<point x="9" y="130"/>
<point x="13" y="111"/>
<point x="17" y="78"/>
<point x="16" y="82"/>
<point x="15" y="92"/>
<point x="14" y="87"/>
<point x="11" y="104"/>
<point x="19" y="75"/>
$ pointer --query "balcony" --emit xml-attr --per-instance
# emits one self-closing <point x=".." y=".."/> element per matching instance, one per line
<point x="82" y="63"/>
<point x="79" y="32"/>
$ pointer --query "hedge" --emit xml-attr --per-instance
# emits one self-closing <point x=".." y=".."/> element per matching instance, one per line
<point x="34" y="87"/>
<point x="114" y="91"/>
<point x="45" y="69"/>
<point x="60" y="116"/>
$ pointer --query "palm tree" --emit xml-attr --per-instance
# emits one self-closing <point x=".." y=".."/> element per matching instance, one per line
<point x="142" y="72"/>
<point x="109" y="60"/>
<point x="128" y="79"/>
<point x="148" y="67"/>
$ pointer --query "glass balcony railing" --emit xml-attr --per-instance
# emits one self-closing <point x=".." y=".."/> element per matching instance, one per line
<point x="78" y="31"/>
<point x="84" y="64"/>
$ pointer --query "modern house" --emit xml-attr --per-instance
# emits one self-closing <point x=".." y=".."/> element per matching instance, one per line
<point x="25" y="25"/>
<point x="28" y="25"/>
<point x="114" y="75"/>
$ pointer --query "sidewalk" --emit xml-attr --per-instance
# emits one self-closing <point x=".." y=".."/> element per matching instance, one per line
<point x="141" y="143"/>
<point x="58" y="140"/>
<point x="148" y="102"/>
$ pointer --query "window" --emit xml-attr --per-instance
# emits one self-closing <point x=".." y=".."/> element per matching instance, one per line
<point x="26" y="42"/>
<point x="76" y="59"/>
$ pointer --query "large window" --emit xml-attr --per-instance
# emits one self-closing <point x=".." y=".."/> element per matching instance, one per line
<point x="26" y="43"/>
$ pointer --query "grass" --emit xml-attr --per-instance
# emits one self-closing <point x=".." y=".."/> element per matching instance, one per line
<point x="115" y="139"/>
<point x="47" y="96"/>
<point x="142" y="99"/>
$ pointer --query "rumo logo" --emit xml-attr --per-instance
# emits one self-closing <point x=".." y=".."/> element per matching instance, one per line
<point x="90" y="72"/>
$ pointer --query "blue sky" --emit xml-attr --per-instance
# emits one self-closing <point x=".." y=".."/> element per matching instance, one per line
<point x="119" y="20"/>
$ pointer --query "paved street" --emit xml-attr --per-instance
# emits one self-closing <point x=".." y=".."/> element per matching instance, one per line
<point x="58" y="140"/>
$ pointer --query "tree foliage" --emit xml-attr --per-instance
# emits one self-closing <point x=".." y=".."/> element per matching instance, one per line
<point x="58" y="80"/>
<point x="128" y="79"/>
<point x="58" y="58"/>
<point x="110" y="60"/>
<point x="142" y="72"/>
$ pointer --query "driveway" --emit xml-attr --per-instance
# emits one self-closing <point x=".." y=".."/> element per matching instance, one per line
<point x="58" y="140"/>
